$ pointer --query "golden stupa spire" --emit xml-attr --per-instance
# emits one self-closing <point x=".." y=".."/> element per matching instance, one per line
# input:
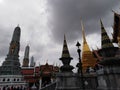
<point x="85" y="45"/>
<point x="88" y="59"/>
<point x="83" y="33"/>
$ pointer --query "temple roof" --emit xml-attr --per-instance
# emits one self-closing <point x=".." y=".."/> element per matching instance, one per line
<point x="27" y="71"/>
<point x="31" y="74"/>
<point x="44" y="69"/>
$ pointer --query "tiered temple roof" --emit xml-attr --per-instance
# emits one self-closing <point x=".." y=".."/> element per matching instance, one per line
<point x="32" y="74"/>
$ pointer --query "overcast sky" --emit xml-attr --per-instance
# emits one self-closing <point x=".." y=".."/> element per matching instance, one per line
<point x="44" y="22"/>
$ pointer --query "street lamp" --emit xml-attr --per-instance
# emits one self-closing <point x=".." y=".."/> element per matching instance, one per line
<point x="79" y="65"/>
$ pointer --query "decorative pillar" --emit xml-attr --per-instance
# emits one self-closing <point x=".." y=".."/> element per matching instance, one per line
<point x="66" y="58"/>
<point x="66" y="75"/>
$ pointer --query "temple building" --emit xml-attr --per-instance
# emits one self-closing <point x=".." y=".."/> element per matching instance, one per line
<point x="88" y="59"/>
<point x="38" y="76"/>
<point x="105" y="63"/>
<point x="12" y="75"/>
<point x="10" y="71"/>
<point x="47" y="74"/>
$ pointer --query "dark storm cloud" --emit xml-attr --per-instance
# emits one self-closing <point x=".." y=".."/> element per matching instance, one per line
<point x="66" y="16"/>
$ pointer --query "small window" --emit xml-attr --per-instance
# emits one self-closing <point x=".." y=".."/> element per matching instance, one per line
<point x="14" y="79"/>
<point x="3" y="79"/>
<point x="8" y="79"/>
<point x="17" y="79"/>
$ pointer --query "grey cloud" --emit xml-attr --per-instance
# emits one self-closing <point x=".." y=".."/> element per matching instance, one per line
<point x="67" y="13"/>
<point x="4" y="38"/>
<point x="62" y="17"/>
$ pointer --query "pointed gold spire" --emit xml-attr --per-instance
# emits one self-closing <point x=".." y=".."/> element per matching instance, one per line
<point x="88" y="59"/>
<point x="85" y="45"/>
<point x="83" y="33"/>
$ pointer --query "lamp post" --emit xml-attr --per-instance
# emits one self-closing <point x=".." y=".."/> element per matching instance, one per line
<point x="79" y="65"/>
